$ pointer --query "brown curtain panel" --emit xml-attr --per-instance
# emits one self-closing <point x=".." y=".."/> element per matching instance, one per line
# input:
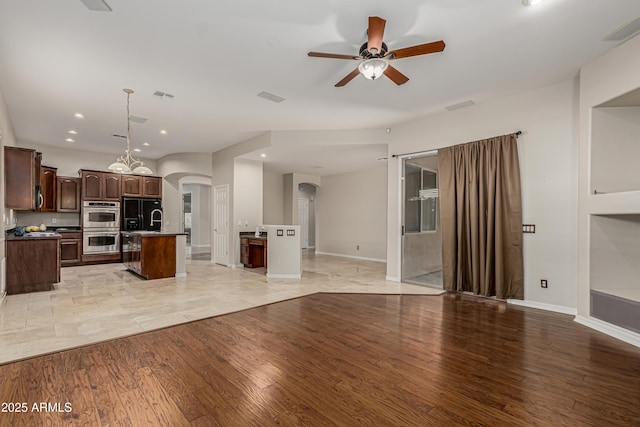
<point x="481" y="218"/>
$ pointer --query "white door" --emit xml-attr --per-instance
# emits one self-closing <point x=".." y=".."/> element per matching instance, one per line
<point x="303" y="220"/>
<point x="221" y="224"/>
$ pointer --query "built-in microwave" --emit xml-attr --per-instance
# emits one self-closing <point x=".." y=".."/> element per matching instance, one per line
<point x="101" y="215"/>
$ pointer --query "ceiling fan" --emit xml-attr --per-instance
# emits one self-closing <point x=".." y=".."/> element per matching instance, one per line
<point x="375" y="56"/>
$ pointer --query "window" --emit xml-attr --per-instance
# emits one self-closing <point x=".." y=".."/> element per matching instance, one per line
<point x="421" y="199"/>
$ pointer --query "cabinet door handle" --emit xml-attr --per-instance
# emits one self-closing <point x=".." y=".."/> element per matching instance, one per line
<point x="40" y="200"/>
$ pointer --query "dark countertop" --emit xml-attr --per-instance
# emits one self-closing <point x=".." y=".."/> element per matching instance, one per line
<point x="33" y="236"/>
<point x="252" y="235"/>
<point x="64" y="228"/>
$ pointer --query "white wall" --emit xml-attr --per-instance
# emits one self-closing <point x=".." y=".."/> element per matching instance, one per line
<point x="548" y="161"/>
<point x="611" y="75"/>
<point x="70" y="160"/>
<point x="292" y="182"/>
<point x="222" y="173"/>
<point x="247" y="199"/>
<point x="7" y="138"/>
<point x="185" y="164"/>
<point x="615" y="252"/>
<point x="273" y="198"/>
<point x="351" y="211"/>
<point x="615" y="149"/>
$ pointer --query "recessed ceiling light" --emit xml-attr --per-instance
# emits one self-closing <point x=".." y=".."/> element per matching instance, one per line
<point x="263" y="155"/>
<point x="78" y="116"/>
<point x="70" y="140"/>
<point x="163" y="132"/>
<point x="137" y="150"/>
<point x="146" y="144"/>
<point x="531" y="2"/>
<point x="72" y="132"/>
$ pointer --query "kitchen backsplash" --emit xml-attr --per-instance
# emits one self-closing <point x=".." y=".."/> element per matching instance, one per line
<point x="62" y="219"/>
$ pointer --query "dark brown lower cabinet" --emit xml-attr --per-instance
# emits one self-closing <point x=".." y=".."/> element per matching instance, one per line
<point x="70" y="248"/>
<point x="253" y="252"/>
<point x="33" y="264"/>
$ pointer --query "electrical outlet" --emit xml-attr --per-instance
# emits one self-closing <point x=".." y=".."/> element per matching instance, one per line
<point x="543" y="283"/>
<point x="357" y="247"/>
<point x="53" y="220"/>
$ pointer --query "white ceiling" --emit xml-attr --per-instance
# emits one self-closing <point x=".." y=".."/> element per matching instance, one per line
<point x="58" y="58"/>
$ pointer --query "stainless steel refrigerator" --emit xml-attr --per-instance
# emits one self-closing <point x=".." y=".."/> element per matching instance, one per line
<point x="141" y="214"/>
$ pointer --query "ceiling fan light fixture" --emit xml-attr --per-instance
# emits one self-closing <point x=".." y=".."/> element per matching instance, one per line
<point x="373" y="68"/>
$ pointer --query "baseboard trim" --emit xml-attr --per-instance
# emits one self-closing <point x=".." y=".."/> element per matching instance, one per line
<point x="392" y="279"/>
<point x="351" y="256"/>
<point x="284" y="276"/>
<point x="235" y="265"/>
<point x="543" y="306"/>
<point x="609" y="329"/>
<point x="181" y="274"/>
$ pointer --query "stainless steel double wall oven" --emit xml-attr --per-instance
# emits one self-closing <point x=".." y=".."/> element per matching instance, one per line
<point x="101" y="227"/>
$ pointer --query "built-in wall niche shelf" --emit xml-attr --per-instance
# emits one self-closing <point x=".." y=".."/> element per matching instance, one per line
<point x="623" y="202"/>
<point x="615" y="145"/>
<point x="615" y="270"/>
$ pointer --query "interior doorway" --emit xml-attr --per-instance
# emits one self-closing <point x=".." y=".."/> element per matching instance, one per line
<point x="421" y="234"/>
<point x="307" y="215"/>
<point x="186" y="217"/>
<point x="303" y="220"/>
<point x="196" y="219"/>
<point x="221" y="224"/>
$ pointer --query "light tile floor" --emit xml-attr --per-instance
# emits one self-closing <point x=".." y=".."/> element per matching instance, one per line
<point x="102" y="302"/>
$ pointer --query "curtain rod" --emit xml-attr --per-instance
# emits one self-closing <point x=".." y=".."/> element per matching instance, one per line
<point x="516" y="133"/>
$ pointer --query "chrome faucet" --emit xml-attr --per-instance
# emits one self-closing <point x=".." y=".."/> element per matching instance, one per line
<point x="153" y="218"/>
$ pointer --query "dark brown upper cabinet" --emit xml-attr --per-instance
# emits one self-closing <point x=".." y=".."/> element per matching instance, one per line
<point x="132" y="186"/>
<point x="68" y="194"/>
<point x="101" y="186"/>
<point x="152" y="186"/>
<point x="48" y="189"/>
<point x="20" y="178"/>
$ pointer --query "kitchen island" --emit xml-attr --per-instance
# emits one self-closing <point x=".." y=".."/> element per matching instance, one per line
<point x="154" y="254"/>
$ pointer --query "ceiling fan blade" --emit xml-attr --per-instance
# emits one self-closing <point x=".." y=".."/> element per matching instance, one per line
<point x="375" y="32"/>
<point x="421" y="49"/>
<point x="396" y="76"/>
<point x="332" y="55"/>
<point x="348" y="78"/>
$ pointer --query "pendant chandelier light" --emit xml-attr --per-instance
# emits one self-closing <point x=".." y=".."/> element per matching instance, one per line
<point x="126" y="163"/>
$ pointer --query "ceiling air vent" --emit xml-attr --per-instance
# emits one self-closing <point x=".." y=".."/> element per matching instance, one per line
<point x="162" y="95"/>
<point x="138" y="119"/>
<point x="460" y="105"/>
<point x="97" y="5"/>
<point x="270" y="97"/>
<point x="624" y="32"/>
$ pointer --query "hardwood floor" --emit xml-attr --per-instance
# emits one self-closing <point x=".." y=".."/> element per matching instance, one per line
<point x="341" y="359"/>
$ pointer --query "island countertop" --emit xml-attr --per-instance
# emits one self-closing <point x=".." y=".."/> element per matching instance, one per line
<point x="155" y="233"/>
